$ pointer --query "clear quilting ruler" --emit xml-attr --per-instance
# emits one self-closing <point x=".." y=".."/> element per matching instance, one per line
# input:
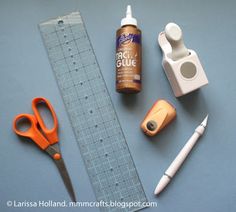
<point x="97" y="130"/>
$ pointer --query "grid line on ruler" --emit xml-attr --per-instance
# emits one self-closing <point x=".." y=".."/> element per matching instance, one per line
<point x="98" y="133"/>
<point x="80" y="52"/>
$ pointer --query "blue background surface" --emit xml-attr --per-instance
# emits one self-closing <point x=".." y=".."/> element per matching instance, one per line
<point x="206" y="182"/>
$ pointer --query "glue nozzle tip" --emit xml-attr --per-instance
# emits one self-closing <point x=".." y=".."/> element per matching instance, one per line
<point x="128" y="11"/>
<point x="129" y="19"/>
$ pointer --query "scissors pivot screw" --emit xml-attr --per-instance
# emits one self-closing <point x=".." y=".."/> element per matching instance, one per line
<point x="57" y="156"/>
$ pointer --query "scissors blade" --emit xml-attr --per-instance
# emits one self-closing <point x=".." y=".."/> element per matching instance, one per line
<point x="66" y="178"/>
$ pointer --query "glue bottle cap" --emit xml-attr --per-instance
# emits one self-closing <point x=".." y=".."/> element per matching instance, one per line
<point x="128" y="20"/>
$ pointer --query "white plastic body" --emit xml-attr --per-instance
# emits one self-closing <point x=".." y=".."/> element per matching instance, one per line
<point x="180" y="158"/>
<point x="178" y="161"/>
<point x="180" y="84"/>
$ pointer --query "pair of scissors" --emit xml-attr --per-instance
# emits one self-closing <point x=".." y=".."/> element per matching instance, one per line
<point x="46" y="138"/>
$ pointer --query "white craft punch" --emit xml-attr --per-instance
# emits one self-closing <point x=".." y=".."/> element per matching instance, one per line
<point x="182" y="66"/>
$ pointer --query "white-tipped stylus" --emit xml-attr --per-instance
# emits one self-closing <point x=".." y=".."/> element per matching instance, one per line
<point x="178" y="161"/>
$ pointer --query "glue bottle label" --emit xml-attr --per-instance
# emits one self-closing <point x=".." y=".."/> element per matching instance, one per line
<point x="128" y="60"/>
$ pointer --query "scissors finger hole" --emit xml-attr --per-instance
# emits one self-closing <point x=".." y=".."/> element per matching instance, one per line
<point x="23" y="124"/>
<point x="45" y="114"/>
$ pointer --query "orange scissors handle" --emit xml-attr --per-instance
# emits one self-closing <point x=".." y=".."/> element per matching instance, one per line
<point x="51" y="134"/>
<point x="32" y="131"/>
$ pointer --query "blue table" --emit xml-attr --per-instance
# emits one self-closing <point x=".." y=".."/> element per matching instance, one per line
<point x="206" y="182"/>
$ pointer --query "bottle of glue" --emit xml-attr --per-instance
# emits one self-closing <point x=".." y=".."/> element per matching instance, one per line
<point x="128" y="55"/>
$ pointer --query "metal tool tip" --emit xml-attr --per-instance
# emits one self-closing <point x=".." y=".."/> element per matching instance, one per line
<point x="204" y="123"/>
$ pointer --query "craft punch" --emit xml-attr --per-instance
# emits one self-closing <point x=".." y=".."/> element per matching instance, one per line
<point x="161" y="114"/>
<point x="182" y="66"/>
